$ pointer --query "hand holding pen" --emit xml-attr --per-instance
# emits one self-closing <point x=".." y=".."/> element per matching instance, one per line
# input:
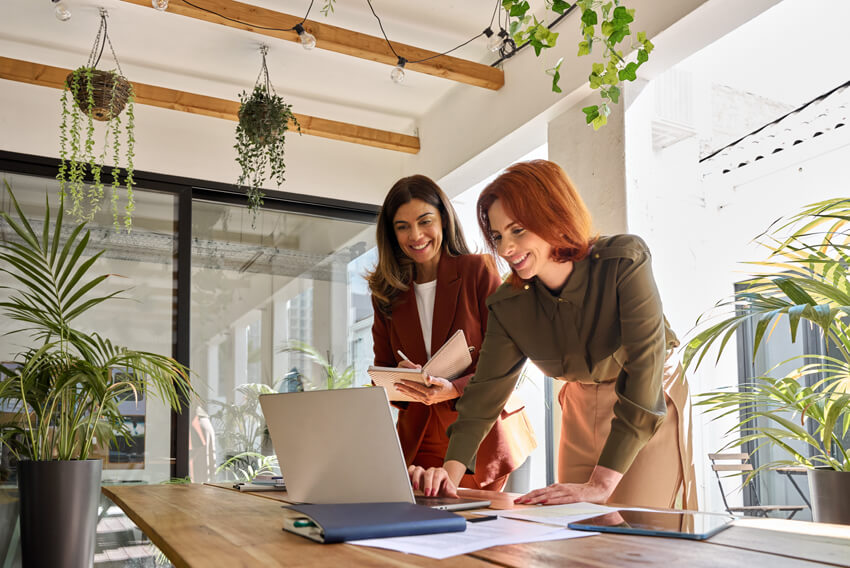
<point x="434" y="390"/>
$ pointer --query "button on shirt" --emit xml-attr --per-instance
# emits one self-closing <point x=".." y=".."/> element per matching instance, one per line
<point x="605" y="325"/>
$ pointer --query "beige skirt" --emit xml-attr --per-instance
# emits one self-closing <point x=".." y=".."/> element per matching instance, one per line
<point x="662" y="475"/>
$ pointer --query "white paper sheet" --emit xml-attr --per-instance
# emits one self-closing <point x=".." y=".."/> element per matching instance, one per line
<point x="477" y="536"/>
<point x="560" y="515"/>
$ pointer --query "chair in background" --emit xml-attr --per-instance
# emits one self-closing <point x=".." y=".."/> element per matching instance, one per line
<point x="738" y="463"/>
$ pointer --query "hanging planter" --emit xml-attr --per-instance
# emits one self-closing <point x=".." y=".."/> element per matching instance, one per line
<point x="93" y="95"/>
<point x="264" y="119"/>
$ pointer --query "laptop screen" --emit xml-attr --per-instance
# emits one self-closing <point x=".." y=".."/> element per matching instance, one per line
<point x="337" y="446"/>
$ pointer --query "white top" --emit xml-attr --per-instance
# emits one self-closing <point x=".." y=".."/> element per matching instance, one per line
<point x="425" y="295"/>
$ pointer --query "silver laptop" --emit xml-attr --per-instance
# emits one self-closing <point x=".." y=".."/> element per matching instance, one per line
<point x="340" y="446"/>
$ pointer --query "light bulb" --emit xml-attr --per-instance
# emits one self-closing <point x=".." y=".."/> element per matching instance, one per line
<point x="160" y="5"/>
<point x="308" y="40"/>
<point x="494" y="41"/>
<point x="63" y="14"/>
<point x="397" y="74"/>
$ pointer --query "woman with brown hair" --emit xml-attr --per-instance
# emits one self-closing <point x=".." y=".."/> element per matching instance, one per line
<point x="585" y="310"/>
<point x="425" y="287"/>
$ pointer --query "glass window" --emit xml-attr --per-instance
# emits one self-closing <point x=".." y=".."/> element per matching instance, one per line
<point x="143" y="265"/>
<point x="278" y="305"/>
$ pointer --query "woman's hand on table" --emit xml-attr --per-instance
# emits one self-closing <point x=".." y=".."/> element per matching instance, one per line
<point x="597" y="489"/>
<point x="437" y="389"/>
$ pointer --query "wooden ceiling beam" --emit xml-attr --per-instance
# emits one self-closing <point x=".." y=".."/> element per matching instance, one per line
<point x="336" y="39"/>
<point x="48" y="76"/>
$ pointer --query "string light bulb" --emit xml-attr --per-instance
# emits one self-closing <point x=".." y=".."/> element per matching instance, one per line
<point x="160" y="5"/>
<point x="61" y="11"/>
<point x="495" y="41"/>
<point x="397" y="74"/>
<point x="308" y="40"/>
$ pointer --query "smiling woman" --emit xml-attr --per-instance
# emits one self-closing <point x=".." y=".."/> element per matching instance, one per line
<point x="585" y="310"/>
<point x="427" y="286"/>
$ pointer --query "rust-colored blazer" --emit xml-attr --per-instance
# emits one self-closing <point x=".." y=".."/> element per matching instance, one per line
<point x="463" y="284"/>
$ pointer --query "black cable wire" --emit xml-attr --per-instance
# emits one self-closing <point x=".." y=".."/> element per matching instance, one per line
<point x="214" y="13"/>
<point x="495" y="11"/>
<point x="389" y="43"/>
<point x="381" y="25"/>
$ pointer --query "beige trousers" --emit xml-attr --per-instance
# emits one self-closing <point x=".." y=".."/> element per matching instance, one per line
<point x="662" y="475"/>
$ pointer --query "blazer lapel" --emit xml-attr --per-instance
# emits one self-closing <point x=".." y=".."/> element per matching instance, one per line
<point x="445" y="304"/>
<point x="406" y="322"/>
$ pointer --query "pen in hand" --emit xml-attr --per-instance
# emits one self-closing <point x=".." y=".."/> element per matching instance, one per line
<point x="403" y="356"/>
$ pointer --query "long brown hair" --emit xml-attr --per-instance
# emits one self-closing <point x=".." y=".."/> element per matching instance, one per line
<point x="394" y="271"/>
<point x="539" y="196"/>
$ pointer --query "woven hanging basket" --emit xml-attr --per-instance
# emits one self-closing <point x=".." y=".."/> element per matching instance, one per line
<point x="105" y="104"/>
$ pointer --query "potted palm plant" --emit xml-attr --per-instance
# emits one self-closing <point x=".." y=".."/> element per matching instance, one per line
<point x="805" y="413"/>
<point x="62" y="387"/>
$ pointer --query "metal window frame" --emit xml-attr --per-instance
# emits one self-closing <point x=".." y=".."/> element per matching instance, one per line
<point x="186" y="191"/>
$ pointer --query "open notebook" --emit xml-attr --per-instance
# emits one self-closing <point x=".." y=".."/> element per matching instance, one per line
<point x="448" y="362"/>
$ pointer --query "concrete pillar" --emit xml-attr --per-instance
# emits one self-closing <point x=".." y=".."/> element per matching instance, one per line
<point x="595" y="161"/>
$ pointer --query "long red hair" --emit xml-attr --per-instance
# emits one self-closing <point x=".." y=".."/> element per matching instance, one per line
<point x="539" y="196"/>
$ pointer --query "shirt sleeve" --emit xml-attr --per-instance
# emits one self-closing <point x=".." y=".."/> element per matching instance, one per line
<point x="499" y="366"/>
<point x="640" y="407"/>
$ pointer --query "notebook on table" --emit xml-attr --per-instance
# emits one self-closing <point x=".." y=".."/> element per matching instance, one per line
<point x="358" y="521"/>
<point x="450" y="360"/>
<point x="340" y="446"/>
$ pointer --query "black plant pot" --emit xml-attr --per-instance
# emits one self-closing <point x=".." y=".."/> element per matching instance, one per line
<point x="58" y="512"/>
<point x="830" y="492"/>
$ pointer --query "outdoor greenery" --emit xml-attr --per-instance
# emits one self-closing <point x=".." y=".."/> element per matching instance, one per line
<point x="332" y="377"/>
<point x="804" y="281"/>
<point x="603" y="24"/>
<point x="65" y="389"/>
<point x="78" y="141"/>
<point x="264" y="119"/>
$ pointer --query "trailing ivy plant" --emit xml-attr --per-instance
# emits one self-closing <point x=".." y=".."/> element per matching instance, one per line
<point x="93" y="95"/>
<point x="605" y="24"/>
<point x="264" y="119"/>
<point x="77" y="141"/>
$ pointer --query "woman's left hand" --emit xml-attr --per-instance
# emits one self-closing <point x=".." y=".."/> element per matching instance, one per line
<point x="598" y="489"/>
<point x="437" y="390"/>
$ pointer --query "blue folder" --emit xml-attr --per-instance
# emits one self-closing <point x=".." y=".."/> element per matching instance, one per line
<point x="355" y="521"/>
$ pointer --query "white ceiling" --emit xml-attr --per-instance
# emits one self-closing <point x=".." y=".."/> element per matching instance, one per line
<point x="181" y="53"/>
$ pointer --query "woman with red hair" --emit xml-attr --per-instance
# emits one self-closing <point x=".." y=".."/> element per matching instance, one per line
<point x="585" y="310"/>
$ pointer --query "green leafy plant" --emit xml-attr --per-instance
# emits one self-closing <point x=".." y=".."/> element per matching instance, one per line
<point x="65" y="387"/>
<point x="93" y="95"/>
<point x="333" y="378"/>
<point x="328" y="8"/>
<point x="240" y="426"/>
<point x="264" y="119"/>
<point x="603" y="23"/>
<point x="246" y="466"/>
<point x="803" y="281"/>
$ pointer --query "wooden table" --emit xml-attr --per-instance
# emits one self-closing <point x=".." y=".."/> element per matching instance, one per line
<point x="203" y="525"/>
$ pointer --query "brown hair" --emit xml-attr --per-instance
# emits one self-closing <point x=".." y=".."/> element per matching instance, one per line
<point x="394" y="271"/>
<point x="540" y="196"/>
